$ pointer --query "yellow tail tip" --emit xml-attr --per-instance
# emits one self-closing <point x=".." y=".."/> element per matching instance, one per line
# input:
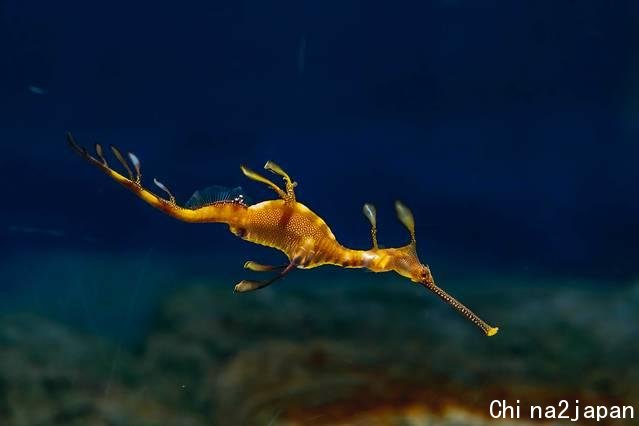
<point x="492" y="331"/>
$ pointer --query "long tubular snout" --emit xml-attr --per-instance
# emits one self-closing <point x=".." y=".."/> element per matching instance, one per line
<point x="459" y="307"/>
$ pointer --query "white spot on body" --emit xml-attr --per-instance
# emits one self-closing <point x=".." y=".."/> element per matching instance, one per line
<point x="368" y="258"/>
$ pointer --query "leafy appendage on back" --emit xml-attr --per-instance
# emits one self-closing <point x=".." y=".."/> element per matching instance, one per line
<point x="217" y="194"/>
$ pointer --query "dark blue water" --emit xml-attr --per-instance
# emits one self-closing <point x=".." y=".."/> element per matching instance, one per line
<point x="509" y="128"/>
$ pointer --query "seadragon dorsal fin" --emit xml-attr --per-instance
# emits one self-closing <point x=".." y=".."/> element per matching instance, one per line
<point x="217" y="194"/>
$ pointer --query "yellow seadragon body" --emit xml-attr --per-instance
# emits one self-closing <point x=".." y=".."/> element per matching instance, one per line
<point x="286" y="225"/>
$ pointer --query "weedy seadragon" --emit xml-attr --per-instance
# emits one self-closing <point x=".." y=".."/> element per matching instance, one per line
<point x="284" y="224"/>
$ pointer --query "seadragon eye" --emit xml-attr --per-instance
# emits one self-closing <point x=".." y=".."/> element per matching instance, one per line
<point x="425" y="275"/>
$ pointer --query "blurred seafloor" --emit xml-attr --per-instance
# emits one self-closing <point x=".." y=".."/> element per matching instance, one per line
<point x="140" y="339"/>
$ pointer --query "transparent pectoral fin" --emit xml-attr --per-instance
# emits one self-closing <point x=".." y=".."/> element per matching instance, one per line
<point x="217" y="194"/>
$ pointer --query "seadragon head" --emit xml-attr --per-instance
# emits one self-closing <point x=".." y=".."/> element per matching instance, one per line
<point x="405" y="261"/>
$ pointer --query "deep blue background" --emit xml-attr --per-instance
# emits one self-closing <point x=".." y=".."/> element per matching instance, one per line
<point x="510" y="128"/>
